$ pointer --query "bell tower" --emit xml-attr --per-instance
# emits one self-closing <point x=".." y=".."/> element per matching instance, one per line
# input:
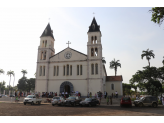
<point x="94" y="60"/>
<point x="45" y="51"/>
<point x="94" y="47"/>
<point x="46" y="48"/>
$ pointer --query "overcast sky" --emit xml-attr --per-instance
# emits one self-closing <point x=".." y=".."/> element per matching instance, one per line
<point x="126" y="32"/>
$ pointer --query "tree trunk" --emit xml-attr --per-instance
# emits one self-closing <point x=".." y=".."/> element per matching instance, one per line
<point x="149" y="63"/>
<point x="9" y="82"/>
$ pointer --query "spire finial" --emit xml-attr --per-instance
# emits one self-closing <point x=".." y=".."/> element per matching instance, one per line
<point x="93" y="14"/>
<point x="49" y="20"/>
<point x="68" y="43"/>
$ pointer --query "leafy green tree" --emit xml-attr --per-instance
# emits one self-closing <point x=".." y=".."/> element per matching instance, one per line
<point x="2" y="86"/>
<point x="163" y="61"/>
<point x="24" y="72"/>
<point x="9" y="73"/>
<point x="114" y="64"/>
<point x="22" y="84"/>
<point x="2" y="71"/>
<point x="157" y="15"/>
<point x="148" y="54"/>
<point x="30" y="84"/>
<point x="126" y="88"/>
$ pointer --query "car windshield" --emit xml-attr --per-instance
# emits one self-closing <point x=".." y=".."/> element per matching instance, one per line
<point x="142" y="98"/>
<point x="126" y="98"/>
<point x="88" y="99"/>
<point x="56" y="98"/>
<point x="72" y="98"/>
<point x="29" y="96"/>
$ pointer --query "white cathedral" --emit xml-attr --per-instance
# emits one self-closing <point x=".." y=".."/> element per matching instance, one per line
<point x="70" y="70"/>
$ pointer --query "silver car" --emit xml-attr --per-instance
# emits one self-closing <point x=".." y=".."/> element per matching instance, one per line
<point x="57" y="100"/>
<point x="146" y="101"/>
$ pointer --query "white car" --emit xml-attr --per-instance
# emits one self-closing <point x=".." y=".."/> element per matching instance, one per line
<point x="57" y="101"/>
<point x="32" y="99"/>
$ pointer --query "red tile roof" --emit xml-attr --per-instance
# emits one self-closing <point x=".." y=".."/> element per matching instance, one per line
<point x="114" y="78"/>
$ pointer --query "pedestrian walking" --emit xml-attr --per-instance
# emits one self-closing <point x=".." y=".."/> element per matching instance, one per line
<point x="163" y="100"/>
<point x="107" y="99"/>
<point x="88" y="95"/>
<point x="110" y="100"/>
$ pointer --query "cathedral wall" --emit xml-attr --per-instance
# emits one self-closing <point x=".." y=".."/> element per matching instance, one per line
<point x="74" y="57"/>
<point x="94" y="86"/>
<point x="74" y="70"/>
<point x="117" y="87"/>
<point x="78" y="85"/>
<point x="41" y="86"/>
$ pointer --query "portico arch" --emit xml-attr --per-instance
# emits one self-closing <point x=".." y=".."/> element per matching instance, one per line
<point x="62" y="86"/>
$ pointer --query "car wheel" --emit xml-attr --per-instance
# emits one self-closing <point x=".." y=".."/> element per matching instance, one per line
<point x="121" y="105"/>
<point x="52" y="104"/>
<point x="140" y="104"/>
<point x="155" y="105"/>
<point x="32" y="103"/>
<point x="38" y="103"/>
<point x="81" y="105"/>
<point x="90" y="105"/>
<point x="24" y="103"/>
<point x="74" y="104"/>
<point x="136" y="105"/>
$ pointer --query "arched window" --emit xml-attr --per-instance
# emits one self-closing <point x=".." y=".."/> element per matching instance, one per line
<point x="92" y="52"/>
<point x="46" y="43"/>
<point x="43" y="70"/>
<point x="41" y="56"/>
<point x="43" y="44"/>
<point x="77" y="69"/>
<point x="63" y="70"/>
<point x="92" y="69"/>
<point x="57" y="70"/>
<point x="40" y="71"/>
<point x="92" y="40"/>
<point x="81" y="70"/>
<point x="96" y="52"/>
<point x="112" y="86"/>
<point x="54" y="70"/>
<point x="67" y="69"/>
<point x="95" y="39"/>
<point x="71" y="70"/>
<point x="96" y="67"/>
<point x="45" y="55"/>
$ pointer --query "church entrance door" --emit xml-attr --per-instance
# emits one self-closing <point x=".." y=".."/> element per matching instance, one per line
<point x="67" y="88"/>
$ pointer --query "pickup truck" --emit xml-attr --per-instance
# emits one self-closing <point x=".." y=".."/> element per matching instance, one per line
<point x="32" y="99"/>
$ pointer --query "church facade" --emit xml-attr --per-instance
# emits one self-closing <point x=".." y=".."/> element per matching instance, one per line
<point x="71" y="70"/>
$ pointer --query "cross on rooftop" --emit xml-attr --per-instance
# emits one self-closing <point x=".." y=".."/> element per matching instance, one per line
<point x="93" y="13"/>
<point x="68" y="43"/>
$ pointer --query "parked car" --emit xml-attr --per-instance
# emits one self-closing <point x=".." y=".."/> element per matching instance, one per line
<point x="126" y="101"/>
<point x="0" y="96"/>
<point x="72" y="101"/>
<point x="32" y="99"/>
<point x="57" y="101"/>
<point x="12" y="95"/>
<point x="147" y="101"/>
<point x="89" y="102"/>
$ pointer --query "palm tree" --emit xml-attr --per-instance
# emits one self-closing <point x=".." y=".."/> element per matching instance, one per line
<point x="9" y="73"/>
<point x="2" y="71"/>
<point x="114" y="64"/>
<point x="148" y="54"/>
<point x="24" y="72"/>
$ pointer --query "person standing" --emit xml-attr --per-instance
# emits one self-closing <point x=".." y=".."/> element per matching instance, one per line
<point x="107" y="100"/>
<point x="110" y="100"/>
<point x="163" y="100"/>
<point x="105" y="94"/>
<point x="88" y="95"/>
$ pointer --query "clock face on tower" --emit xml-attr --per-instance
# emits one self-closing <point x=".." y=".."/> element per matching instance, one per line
<point x="68" y="55"/>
